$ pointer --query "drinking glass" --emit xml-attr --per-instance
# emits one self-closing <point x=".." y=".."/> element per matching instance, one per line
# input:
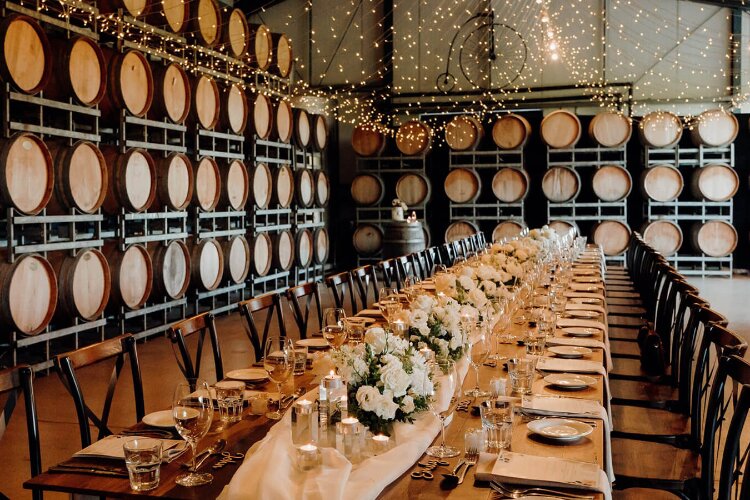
<point x="300" y="359"/>
<point x="521" y="374"/>
<point x="411" y="288"/>
<point x="479" y="350"/>
<point x="143" y="459"/>
<point x="536" y="342"/>
<point x="278" y="361"/>
<point x="450" y="385"/>
<point x="497" y="421"/>
<point x="355" y="329"/>
<point x="389" y="304"/>
<point x="229" y="399"/>
<point x="440" y="269"/>
<point x="334" y="328"/>
<point x="192" y="411"/>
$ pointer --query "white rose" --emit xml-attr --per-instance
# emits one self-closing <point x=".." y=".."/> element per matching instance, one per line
<point x="368" y="397"/>
<point x="407" y="404"/>
<point x="385" y="406"/>
<point x="376" y="337"/>
<point x="457" y="340"/>
<point x="522" y="255"/>
<point x="477" y="297"/>
<point x="489" y="287"/>
<point x="442" y="346"/>
<point x="424" y="302"/>
<point x="467" y="283"/>
<point x="467" y="271"/>
<point x="394" y="377"/>
<point x="418" y="319"/>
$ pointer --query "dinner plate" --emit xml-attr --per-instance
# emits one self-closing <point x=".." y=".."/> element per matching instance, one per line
<point x="162" y="419"/>
<point x="580" y="331"/>
<point x="580" y="272"/>
<point x="371" y="312"/>
<point x="560" y="429"/>
<point x="570" y="380"/>
<point x="313" y="343"/>
<point x="569" y="351"/>
<point x="582" y="314"/>
<point x="586" y="279"/>
<point x="589" y="288"/>
<point x="584" y="300"/>
<point x="248" y="375"/>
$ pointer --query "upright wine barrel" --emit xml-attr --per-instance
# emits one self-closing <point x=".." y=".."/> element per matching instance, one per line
<point x="511" y="131"/>
<point x="80" y="178"/>
<point x="26" y="172"/>
<point x="459" y="230"/>
<point x="612" y="183"/>
<point x="511" y="185"/>
<point x="132" y="275"/>
<point x="367" y="140"/>
<point x="610" y="129"/>
<point x="261" y="182"/>
<point x="321" y="245"/>
<point x="206" y="21"/>
<point x="262" y="44"/>
<point x="283" y="250"/>
<point x="304" y="188"/>
<point x="207" y="190"/>
<point x="664" y="236"/>
<point x="367" y="190"/>
<point x="236" y="258"/>
<point x="284" y="55"/>
<point x="236" y="33"/>
<point x="173" y="14"/>
<point x="303" y="248"/>
<point x="413" y="189"/>
<point x="302" y="128"/>
<point x="714" y="128"/>
<point x="561" y="129"/>
<point x="319" y="132"/>
<point x="464" y="133"/>
<point x="25" y="57"/>
<point x="174" y="185"/>
<point x="134" y="8"/>
<point x="402" y="238"/>
<point x="235" y="185"/>
<point x="262" y="254"/>
<point x="507" y="229"/>
<point x="427" y="233"/>
<point x="83" y="283"/>
<point x="414" y="138"/>
<point x="715" y="238"/>
<point x="79" y="71"/>
<point x="234" y="110"/>
<point x="206" y="102"/>
<point x="612" y="235"/>
<point x="561" y="184"/>
<point x="171" y="265"/>
<point x="132" y="180"/>
<point x="207" y="264"/>
<point x="660" y="129"/>
<point x="130" y="85"/>
<point x="661" y="183"/>
<point x="367" y="239"/>
<point x="322" y="189"/>
<point x="284" y="186"/>
<point x="172" y="94"/>
<point x="262" y="116"/>
<point x="463" y="185"/>
<point x="284" y="121"/>
<point x="563" y="227"/>
<point x="29" y="293"/>
<point x="714" y="182"/>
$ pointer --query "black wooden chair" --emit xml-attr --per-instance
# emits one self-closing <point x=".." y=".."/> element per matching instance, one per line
<point x="271" y="304"/>
<point x="67" y="365"/>
<point x="390" y="273"/>
<point x="733" y="455"/>
<point x="419" y="264"/>
<point x="448" y="254"/>
<point x="190" y="366"/>
<point x="304" y="300"/>
<point x="342" y="286"/>
<point x="366" y="279"/>
<point x="404" y="269"/>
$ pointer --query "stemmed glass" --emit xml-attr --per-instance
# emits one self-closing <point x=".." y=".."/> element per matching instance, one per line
<point x="449" y="385"/>
<point x="334" y="327"/>
<point x="411" y="288"/>
<point x="278" y="361"/>
<point x="192" y="411"/>
<point x="479" y="350"/>
<point x="389" y="304"/>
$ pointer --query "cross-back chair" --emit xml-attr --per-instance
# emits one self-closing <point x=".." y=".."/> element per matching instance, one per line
<point x="271" y="304"/>
<point x="304" y="300"/>
<point x="190" y="365"/>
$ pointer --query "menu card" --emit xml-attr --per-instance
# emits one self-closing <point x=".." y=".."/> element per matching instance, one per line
<point x="111" y="447"/>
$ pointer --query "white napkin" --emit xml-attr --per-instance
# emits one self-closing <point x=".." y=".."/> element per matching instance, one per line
<point x="111" y="447"/>
<point x="577" y="306"/>
<point x="586" y="295"/>
<point x="583" y="342"/>
<point x="577" y="366"/>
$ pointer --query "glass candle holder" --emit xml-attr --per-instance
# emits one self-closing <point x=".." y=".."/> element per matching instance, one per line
<point x="349" y="434"/>
<point x="304" y="422"/>
<point x="332" y="406"/>
<point x="380" y="443"/>
<point x="308" y="457"/>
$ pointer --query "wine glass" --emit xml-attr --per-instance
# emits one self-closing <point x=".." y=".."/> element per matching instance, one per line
<point x="449" y="383"/>
<point x="411" y="288"/>
<point x="192" y="411"/>
<point x="479" y="350"/>
<point x="278" y="361"/>
<point x="388" y="303"/>
<point x="334" y="327"/>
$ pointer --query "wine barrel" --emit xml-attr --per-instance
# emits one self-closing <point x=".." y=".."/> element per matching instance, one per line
<point x="610" y="129"/>
<point x="132" y="275"/>
<point x="284" y="54"/>
<point x="367" y="140"/>
<point x="402" y="238"/>
<point x="262" y="254"/>
<point x="511" y="185"/>
<point x="207" y="264"/>
<point x="206" y="22"/>
<point x="715" y="238"/>
<point x="463" y="185"/>
<point x="427" y="233"/>
<point x="83" y="283"/>
<point x="206" y="102"/>
<point x="29" y="293"/>
<point x="507" y="229"/>
<point x="284" y="121"/>
<point x="302" y="128"/>
<point x="130" y="84"/>
<point x="611" y="183"/>
<point x="661" y="183"/>
<point x="464" y="133"/>
<point x="367" y="190"/>
<point x="413" y="189"/>
<point x="714" y="128"/>
<point x="80" y="178"/>
<point x="262" y="116"/>
<point x="262" y="44"/>
<point x="322" y="189"/>
<point x="236" y="258"/>
<point x="459" y="230"/>
<point x="134" y="8"/>
<point x="561" y="184"/>
<point x="236" y="33"/>
<point x="563" y="227"/>
<point x="172" y="94"/>
<point x="283" y="186"/>
<point x="511" y="131"/>
<point x="303" y="248"/>
<point x="414" y="138"/>
<point x="319" y="132"/>
<point x="207" y="190"/>
<point x="283" y="250"/>
<point x="560" y="129"/>
<point x="367" y="239"/>
<point x="172" y="14"/>
<point x="262" y="183"/>
<point x="235" y="185"/>
<point x="664" y="236"/>
<point x="304" y="188"/>
<point x="714" y="182"/>
<point x="612" y="235"/>
<point x="171" y="265"/>
<point x="321" y="245"/>
<point x="234" y="111"/>
<point x="174" y="186"/>
<point x="26" y="172"/>
<point x="25" y="54"/>
<point x="660" y="129"/>
<point x="79" y="71"/>
<point x="132" y="180"/>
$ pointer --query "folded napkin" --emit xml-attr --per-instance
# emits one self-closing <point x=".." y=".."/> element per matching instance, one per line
<point x="111" y="447"/>
<point x="584" y="295"/>
<point x="585" y="287"/>
<point x="576" y="306"/>
<point x="370" y="312"/>
<point x="586" y="323"/>
<point x="583" y="342"/>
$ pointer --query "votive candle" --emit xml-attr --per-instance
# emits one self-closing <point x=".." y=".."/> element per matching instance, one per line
<point x="308" y="457"/>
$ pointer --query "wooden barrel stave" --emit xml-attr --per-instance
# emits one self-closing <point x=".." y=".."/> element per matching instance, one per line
<point x="83" y="283"/>
<point x="132" y="180"/>
<point x="463" y="185"/>
<point x="511" y="131"/>
<point x="174" y="185"/>
<point x="367" y="190"/>
<point x="413" y="189"/>
<point x="511" y="185"/>
<point x="610" y="129"/>
<point x="207" y="264"/>
<point x="321" y="245"/>
<point x="236" y="259"/>
<point x="236" y="33"/>
<point x="402" y="238"/>
<point x="303" y="131"/>
<point x="262" y="254"/>
<point x="303" y="248"/>
<point x="234" y="110"/>
<point x="507" y="229"/>
<point x="206" y="108"/>
<point x="171" y="14"/>
<point x="206" y="22"/>
<point x="662" y="183"/>
<point x="29" y="293"/>
<point x="414" y="138"/>
<point x="714" y="182"/>
<point x="367" y="239"/>
<point x="283" y="250"/>
<point x="81" y="178"/>
<point x="459" y="230"/>
<point x="78" y="71"/>
<point x="207" y="192"/>
<point x="319" y="132"/>
<point x="284" y="186"/>
<point x="235" y="185"/>
<point x="25" y="54"/>
<point x="660" y="129"/>
<point x="130" y="85"/>
<point x="612" y="235"/>
<point x="714" y="128"/>
<point x="612" y="183"/>
<point x="171" y="267"/>
<point x="664" y="236"/>
<point x="561" y="184"/>
<point x="132" y="275"/>
<point x="27" y="173"/>
<point x="284" y="59"/>
<point x="134" y="8"/>
<point x="560" y="129"/>
<point x="367" y="140"/>
<point x="714" y="238"/>
<point x="172" y="92"/>
<point x="322" y="189"/>
<point x="262" y="45"/>
<point x="262" y="185"/>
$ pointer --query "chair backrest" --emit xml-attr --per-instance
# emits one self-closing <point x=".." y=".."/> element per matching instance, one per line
<point x="342" y="287"/>
<point x="419" y="264"/>
<point x="366" y="279"/>
<point x="304" y="299"/>
<point x="448" y="254"/>
<point x="404" y="269"/>
<point x="118" y="348"/>
<point x="271" y="303"/>
<point x="390" y="272"/>
<point x="190" y="366"/>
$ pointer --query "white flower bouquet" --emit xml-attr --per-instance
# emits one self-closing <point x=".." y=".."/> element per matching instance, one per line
<point x="435" y="323"/>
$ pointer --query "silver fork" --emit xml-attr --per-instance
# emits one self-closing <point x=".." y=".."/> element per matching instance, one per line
<point x="471" y="456"/>
<point x="521" y="492"/>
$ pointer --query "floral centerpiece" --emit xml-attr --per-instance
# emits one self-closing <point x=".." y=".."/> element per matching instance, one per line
<point x="398" y="210"/>
<point x="435" y="323"/>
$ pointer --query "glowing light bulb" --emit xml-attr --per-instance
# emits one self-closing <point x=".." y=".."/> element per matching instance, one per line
<point x="554" y="56"/>
<point x="553" y="46"/>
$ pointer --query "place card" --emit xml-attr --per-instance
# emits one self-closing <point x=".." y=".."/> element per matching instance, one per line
<point x="111" y="447"/>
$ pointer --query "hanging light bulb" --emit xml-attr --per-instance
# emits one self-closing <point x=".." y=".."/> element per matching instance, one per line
<point x="553" y="45"/>
<point x="554" y="56"/>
